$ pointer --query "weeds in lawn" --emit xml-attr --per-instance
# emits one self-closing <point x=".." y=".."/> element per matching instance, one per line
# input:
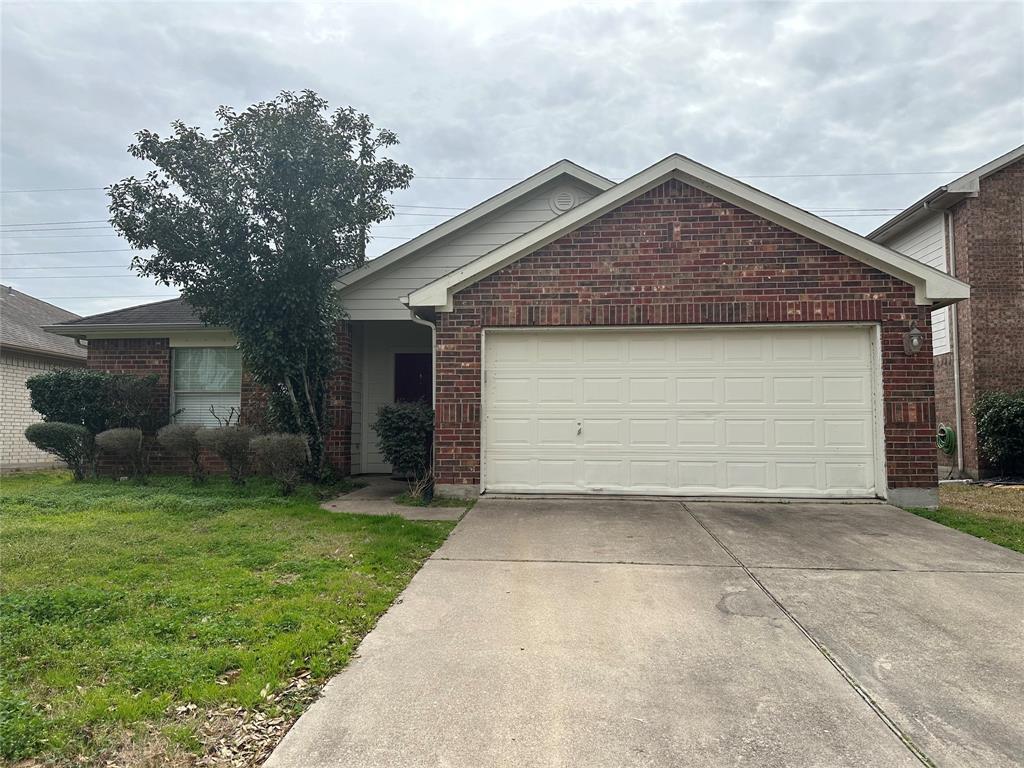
<point x="122" y="603"/>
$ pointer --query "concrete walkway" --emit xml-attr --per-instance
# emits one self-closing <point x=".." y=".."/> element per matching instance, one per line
<point x="376" y="497"/>
<point x="658" y="633"/>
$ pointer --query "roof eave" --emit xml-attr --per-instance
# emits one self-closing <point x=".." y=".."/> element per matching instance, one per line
<point x="37" y="352"/>
<point x="82" y="331"/>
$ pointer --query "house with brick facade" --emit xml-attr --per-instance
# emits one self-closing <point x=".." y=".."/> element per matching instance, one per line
<point x="972" y="229"/>
<point x="26" y="350"/>
<point x="677" y="333"/>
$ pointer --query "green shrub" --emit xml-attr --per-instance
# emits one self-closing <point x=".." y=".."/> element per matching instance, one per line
<point x="282" y="457"/>
<point x="183" y="440"/>
<point x="231" y="444"/>
<point x="71" y="442"/>
<point x="405" y="433"/>
<point x="1000" y="420"/>
<point x="130" y="400"/>
<point x="127" y="445"/>
<point x="96" y="400"/>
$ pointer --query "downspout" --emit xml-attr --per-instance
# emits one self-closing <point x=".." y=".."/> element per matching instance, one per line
<point x="954" y="328"/>
<point x="433" y="350"/>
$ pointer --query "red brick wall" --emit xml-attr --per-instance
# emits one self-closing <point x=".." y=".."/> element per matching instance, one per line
<point x="153" y="355"/>
<point x="677" y="256"/>
<point x="339" y="406"/>
<point x="988" y="238"/>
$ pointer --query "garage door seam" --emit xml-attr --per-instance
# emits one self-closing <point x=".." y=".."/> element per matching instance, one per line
<point x="875" y="707"/>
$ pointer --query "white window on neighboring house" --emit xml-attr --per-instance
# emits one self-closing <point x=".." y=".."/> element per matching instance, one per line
<point x="940" y="331"/>
<point x="205" y="377"/>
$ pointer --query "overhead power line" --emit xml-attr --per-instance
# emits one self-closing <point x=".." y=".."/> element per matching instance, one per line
<point x="519" y="178"/>
<point x="65" y="277"/>
<point x="72" y="266"/>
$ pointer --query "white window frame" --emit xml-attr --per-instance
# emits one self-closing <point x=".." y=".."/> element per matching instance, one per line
<point x="175" y="392"/>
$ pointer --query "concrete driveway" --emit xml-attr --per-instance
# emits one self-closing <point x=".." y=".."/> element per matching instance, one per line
<point x="658" y="633"/>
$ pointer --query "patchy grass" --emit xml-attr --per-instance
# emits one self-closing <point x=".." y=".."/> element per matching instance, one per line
<point x="408" y="500"/>
<point x="122" y="605"/>
<point x="1003" y="502"/>
<point x="994" y="513"/>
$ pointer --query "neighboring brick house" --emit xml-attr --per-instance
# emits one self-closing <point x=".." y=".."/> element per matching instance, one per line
<point x="972" y="228"/>
<point x="26" y="350"/>
<point x="677" y="333"/>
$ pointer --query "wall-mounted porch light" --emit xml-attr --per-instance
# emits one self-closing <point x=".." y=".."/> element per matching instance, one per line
<point x="913" y="339"/>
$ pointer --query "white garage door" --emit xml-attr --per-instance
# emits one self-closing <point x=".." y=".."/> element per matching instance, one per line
<point x="742" y="411"/>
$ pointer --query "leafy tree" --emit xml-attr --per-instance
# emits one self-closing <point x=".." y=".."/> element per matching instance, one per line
<point x="256" y="223"/>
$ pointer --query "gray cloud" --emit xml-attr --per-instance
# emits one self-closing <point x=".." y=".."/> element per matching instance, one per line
<point x="505" y="90"/>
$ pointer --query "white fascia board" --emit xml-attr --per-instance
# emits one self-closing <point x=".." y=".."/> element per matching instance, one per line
<point x="130" y="331"/>
<point x="930" y="284"/>
<point x="475" y="214"/>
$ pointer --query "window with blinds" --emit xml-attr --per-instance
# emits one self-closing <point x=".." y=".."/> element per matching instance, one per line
<point x="205" y="377"/>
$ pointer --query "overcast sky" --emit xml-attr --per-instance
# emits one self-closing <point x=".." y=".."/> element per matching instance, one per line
<point x="487" y="90"/>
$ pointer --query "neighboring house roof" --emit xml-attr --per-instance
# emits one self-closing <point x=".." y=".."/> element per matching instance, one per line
<point x="476" y="213"/>
<point x="171" y="314"/>
<point x="945" y="196"/>
<point x="22" y="318"/>
<point x="931" y="285"/>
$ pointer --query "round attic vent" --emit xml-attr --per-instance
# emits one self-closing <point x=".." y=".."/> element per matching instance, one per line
<point x="562" y="200"/>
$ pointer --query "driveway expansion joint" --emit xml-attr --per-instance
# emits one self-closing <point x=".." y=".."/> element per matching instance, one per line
<point x="891" y="724"/>
<point x="582" y="562"/>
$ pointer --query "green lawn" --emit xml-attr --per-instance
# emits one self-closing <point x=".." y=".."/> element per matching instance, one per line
<point x="993" y="513"/>
<point x="122" y="605"/>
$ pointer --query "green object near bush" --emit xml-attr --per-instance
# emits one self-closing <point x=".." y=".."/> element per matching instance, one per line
<point x="1000" y="421"/>
<point x="231" y="444"/>
<point x="127" y="445"/>
<point x="282" y="457"/>
<point x="71" y="442"/>
<point x="405" y="434"/>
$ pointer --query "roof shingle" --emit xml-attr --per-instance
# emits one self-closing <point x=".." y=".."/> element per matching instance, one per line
<point x="168" y="312"/>
<point x="21" y="321"/>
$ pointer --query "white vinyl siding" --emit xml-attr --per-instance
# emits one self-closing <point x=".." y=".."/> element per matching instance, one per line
<point x="205" y="377"/>
<point x="740" y="411"/>
<point x="377" y="296"/>
<point x="926" y="242"/>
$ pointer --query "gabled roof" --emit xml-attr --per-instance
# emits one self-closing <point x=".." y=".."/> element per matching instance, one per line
<point x="22" y="318"/>
<point x="171" y="314"/>
<point x="945" y="196"/>
<point x="931" y="285"/>
<point x="477" y="213"/>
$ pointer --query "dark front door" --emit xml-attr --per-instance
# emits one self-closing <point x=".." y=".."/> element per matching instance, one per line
<point x="413" y="379"/>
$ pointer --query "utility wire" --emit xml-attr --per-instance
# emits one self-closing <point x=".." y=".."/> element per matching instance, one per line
<point x="518" y="178"/>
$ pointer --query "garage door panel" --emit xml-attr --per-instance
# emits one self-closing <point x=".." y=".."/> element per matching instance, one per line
<point x="603" y="390"/>
<point x="745" y="389"/>
<point x="557" y="391"/>
<point x="512" y="432"/>
<point x="704" y="411"/>
<point x="794" y="390"/>
<point x="648" y="390"/>
<point x="840" y="390"/>
<point x="702" y="391"/>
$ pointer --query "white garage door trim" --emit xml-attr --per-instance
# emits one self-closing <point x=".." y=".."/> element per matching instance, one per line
<point x="877" y="442"/>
